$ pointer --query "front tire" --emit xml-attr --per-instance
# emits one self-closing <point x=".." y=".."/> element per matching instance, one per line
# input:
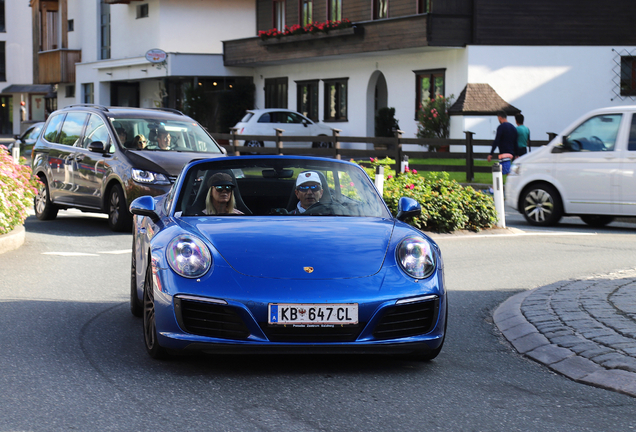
<point x="119" y="217"/>
<point x="322" y="144"/>
<point x="541" y="205"/>
<point x="254" y="144"/>
<point x="136" y="306"/>
<point x="153" y="348"/>
<point x="44" y="208"/>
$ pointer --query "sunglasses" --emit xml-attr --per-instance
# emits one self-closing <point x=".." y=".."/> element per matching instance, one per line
<point x="224" y="188"/>
<point x="307" y="188"/>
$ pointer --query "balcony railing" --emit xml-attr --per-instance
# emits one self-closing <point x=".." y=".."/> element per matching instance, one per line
<point x="58" y="66"/>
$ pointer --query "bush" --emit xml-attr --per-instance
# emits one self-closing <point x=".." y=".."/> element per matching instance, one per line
<point x="447" y="206"/>
<point x="433" y="120"/>
<point x="385" y="123"/>
<point x="17" y="190"/>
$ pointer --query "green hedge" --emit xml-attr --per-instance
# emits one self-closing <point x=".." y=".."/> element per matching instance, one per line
<point x="447" y="206"/>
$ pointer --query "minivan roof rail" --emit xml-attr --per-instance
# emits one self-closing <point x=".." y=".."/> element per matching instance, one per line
<point x="87" y="105"/>
<point x="172" y="110"/>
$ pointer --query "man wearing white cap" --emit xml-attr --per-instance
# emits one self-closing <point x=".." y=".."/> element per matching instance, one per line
<point x="308" y="191"/>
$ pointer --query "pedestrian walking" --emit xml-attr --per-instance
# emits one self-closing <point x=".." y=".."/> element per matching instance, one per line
<point x="523" y="135"/>
<point x="506" y="141"/>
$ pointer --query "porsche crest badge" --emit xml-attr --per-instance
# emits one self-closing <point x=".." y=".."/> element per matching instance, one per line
<point x="308" y="269"/>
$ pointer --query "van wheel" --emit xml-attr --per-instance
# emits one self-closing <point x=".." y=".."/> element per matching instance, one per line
<point x="541" y="205"/>
<point x="119" y="217"/>
<point x="597" y="220"/>
<point x="44" y="208"/>
<point x="253" y="144"/>
<point x="322" y="144"/>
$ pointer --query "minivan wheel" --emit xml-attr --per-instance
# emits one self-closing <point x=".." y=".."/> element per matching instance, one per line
<point x="119" y="217"/>
<point x="596" y="220"/>
<point x="541" y="205"/>
<point x="44" y="208"/>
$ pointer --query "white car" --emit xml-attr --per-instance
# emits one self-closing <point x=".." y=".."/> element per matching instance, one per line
<point x="265" y="121"/>
<point x="589" y="170"/>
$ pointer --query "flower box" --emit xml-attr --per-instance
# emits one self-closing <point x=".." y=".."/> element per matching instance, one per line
<point x="336" y="33"/>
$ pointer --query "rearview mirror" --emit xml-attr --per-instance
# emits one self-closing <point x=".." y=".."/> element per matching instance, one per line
<point x="408" y="208"/>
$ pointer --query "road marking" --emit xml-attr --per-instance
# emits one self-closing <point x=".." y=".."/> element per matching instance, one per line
<point x="69" y="254"/>
<point x="457" y="237"/>
<point x="117" y="252"/>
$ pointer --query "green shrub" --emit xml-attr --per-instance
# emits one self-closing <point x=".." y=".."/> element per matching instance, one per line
<point x="385" y="123"/>
<point x="17" y="190"/>
<point x="446" y="205"/>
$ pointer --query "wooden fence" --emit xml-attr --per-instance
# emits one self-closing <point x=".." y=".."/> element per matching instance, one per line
<point x="382" y="147"/>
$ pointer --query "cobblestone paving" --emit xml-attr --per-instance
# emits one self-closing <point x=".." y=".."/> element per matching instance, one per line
<point x="584" y="329"/>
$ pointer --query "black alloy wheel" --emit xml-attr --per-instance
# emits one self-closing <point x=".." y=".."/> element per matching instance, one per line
<point x="119" y="217"/>
<point x="136" y="306"/>
<point x="153" y="348"/>
<point x="541" y="205"/>
<point x="44" y="208"/>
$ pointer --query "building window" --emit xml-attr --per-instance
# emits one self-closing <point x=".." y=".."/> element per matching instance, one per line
<point x="336" y="99"/>
<point x="71" y="25"/>
<point x="276" y="93"/>
<point x="428" y="85"/>
<point x="142" y="11"/>
<point x="380" y="9"/>
<point x="307" y="99"/>
<point x="279" y="15"/>
<point x="628" y="76"/>
<point x="87" y="93"/>
<point x="335" y="10"/>
<point x="306" y="9"/>
<point x="2" y="24"/>
<point x="70" y="91"/>
<point x="423" y="6"/>
<point x="105" y="30"/>
<point x="3" y="62"/>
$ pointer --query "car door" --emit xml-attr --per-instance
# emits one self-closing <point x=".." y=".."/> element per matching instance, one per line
<point x="627" y="201"/>
<point x="588" y="169"/>
<point x="294" y="126"/>
<point x="56" y="155"/>
<point x="90" y="165"/>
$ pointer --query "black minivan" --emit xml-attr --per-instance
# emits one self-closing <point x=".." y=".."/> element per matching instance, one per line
<point x="99" y="159"/>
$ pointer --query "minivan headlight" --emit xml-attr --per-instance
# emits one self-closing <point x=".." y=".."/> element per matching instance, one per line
<point x="149" y="177"/>
<point x="416" y="257"/>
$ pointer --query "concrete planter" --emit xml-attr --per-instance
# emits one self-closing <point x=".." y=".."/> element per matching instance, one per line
<point x="12" y="240"/>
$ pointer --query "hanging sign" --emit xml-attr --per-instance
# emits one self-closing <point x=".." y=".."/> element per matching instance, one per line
<point x="156" y="56"/>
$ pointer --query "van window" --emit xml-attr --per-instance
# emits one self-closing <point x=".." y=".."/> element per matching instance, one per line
<point x="596" y="134"/>
<point x="72" y="128"/>
<point x="95" y="131"/>
<point x="631" y="145"/>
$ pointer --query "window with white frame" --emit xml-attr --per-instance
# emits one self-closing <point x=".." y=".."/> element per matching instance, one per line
<point x="307" y="98"/>
<point x="279" y="14"/>
<point x="306" y="12"/>
<point x="428" y="85"/>
<point x="335" y="10"/>
<point x="336" y="99"/>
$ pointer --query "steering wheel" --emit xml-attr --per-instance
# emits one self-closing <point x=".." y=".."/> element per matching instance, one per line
<point x="325" y="209"/>
<point x="575" y="145"/>
<point x="597" y="141"/>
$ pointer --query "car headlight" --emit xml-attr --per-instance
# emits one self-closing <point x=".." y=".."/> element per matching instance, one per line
<point x="416" y="257"/>
<point x="149" y="177"/>
<point x="188" y="256"/>
<point x="515" y="169"/>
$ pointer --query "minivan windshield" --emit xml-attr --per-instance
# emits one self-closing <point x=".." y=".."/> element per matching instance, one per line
<point x="149" y="134"/>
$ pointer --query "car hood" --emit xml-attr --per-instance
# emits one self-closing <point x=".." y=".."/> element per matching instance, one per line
<point x="300" y="247"/>
<point x="165" y="162"/>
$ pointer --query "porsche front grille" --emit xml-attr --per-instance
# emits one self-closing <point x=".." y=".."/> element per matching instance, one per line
<point x="407" y="320"/>
<point x="210" y="319"/>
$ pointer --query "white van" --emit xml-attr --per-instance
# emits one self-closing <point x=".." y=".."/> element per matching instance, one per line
<point x="589" y="170"/>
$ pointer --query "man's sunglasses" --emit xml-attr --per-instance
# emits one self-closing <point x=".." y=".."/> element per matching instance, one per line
<point x="313" y="188"/>
<point x="224" y="187"/>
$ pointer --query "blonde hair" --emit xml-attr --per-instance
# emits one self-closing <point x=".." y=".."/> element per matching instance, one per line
<point x="138" y="138"/>
<point x="209" y="207"/>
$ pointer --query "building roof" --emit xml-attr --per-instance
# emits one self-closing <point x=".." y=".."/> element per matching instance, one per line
<point x="28" y="88"/>
<point x="480" y="99"/>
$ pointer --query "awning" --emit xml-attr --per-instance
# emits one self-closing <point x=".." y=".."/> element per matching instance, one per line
<point x="28" y="88"/>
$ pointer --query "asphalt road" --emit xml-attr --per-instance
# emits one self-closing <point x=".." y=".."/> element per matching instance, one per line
<point x="71" y="354"/>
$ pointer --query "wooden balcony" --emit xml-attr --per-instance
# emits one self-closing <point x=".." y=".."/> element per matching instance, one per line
<point x="58" y="66"/>
<point x="402" y="33"/>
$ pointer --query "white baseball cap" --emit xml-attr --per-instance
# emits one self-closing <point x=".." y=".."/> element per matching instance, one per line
<point x="308" y="176"/>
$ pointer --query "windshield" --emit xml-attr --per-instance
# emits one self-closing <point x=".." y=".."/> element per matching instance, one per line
<point x="166" y="135"/>
<point x="280" y="187"/>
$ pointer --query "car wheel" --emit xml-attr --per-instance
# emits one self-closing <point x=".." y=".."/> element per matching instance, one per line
<point x="253" y="143"/>
<point x="153" y="348"/>
<point x="541" y="205"/>
<point x="322" y="144"/>
<point x="44" y="208"/>
<point x="597" y="220"/>
<point x="119" y="217"/>
<point x="136" y="306"/>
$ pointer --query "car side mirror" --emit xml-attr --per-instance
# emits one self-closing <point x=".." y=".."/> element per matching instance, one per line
<point x="305" y="123"/>
<point x="144" y="206"/>
<point x="97" y="147"/>
<point x="408" y="208"/>
<point x="558" y="149"/>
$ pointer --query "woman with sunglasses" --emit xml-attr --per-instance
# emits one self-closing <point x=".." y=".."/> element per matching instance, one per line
<point x="139" y="142"/>
<point x="308" y="191"/>
<point x="220" y="199"/>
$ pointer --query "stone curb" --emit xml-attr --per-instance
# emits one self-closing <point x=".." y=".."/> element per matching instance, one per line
<point x="529" y="341"/>
<point x="12" y="240"/>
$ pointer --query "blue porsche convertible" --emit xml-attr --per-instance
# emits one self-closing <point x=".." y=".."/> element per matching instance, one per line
<point x="284" y="254"/>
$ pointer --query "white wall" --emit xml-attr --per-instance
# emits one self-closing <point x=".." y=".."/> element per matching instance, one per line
<point x="552" y="86"/>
